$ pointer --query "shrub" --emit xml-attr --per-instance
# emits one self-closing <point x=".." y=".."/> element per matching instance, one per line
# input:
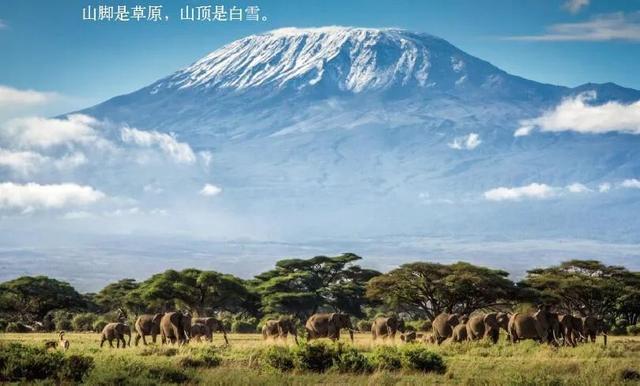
<point x="279" y="358"/>
<point x="244" y="326"/>
<point x="17" y="327"/>
<point x="630" y="375"/>
<point x="421" y="359"/>
<point x="62" y="320"/>
<point x="350" y="360"/>
<point x="20" y="362"/>
<point x="419" y="325"/>
<point x="618" y="330"/>
<point x="364" y="326"/>
<point x="387" y="358"/>
<point x="84" y="321"/>
<point x="315" y="356"/>
<point x="3" y="324"/>
<point x="634" y="329"/>
<point x="76" y="367"/>
<point x="159" y="351"/>
<point x="168" y="375"/>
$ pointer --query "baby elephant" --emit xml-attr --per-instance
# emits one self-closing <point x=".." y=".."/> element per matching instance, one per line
<point x="115" y="331"/>
<point x="200" y="332"/>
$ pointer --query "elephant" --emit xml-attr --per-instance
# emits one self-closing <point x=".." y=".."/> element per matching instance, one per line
<point x="147" y="325"/>
<point x="459" y="333"/>
<point x="280" y="328"/>
<point x="200" y="331"/>
<point x="386" y="327"/>
<point x="175" y="327"/>
<point x="570" y="329"/>
<point x="409" y="336"/>
<point x="328" y="326"/>
<point x="593" y="326"/>
<point x="214" y="325"/>
<point x="542" y="326"/>
<point x="443" y="325"/>
<point x="115" y="331"/>
<point x="487" y="326"/>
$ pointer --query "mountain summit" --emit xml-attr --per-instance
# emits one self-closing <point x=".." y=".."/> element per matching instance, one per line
<point x="345" y="132"/>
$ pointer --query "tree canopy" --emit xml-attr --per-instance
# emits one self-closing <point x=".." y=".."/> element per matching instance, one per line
<point x="427" y="289"/>
<point x="304" y="286"/>
<point x="33" y="297"/>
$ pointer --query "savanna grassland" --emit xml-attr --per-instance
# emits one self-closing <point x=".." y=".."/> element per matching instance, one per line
<point x="245" y="361"/>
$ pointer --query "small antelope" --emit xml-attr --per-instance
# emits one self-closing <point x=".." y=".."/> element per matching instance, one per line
<point x="50" y="344"/>
<point x="63" y="342"/>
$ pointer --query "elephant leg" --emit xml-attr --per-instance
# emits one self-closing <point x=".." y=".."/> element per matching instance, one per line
<point x="153" y="338"/>
<point x="137" y="340"/>
<point x="102" y="341"/>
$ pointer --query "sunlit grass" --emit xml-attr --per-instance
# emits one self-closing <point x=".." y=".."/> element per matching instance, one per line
<point x="477" y="363"/>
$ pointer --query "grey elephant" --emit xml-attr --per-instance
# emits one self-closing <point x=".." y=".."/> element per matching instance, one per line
<point x="459" y="333"/>
<point x="115" y="331"/>
<point x="279" y="328"/>
<point x="147" y="324"/>
<point x="175" y="327"/>
<point x="542" y="326"/>
<point x="442" y="326"/>
<point x="593" y="326"/>
<point x="570" y="329"/>
<point x="328" y="326"/>
<point x="410" y="336"/>
<point x="483" y="326"/>
<point x="386" y="327"/>
<point x="200" y="332"/>
<point x="214" y="325"/>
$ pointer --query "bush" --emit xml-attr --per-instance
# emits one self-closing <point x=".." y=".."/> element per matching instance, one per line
<point x="421" y="359"/>
<point x="279" y="358"/>
<point x="364" y="326"/>
<point x="387" y="358"/>
<point x="315" y="356"/>
<point x="84" y="322"/>
<point x="26" y="363"/>
<point x="168" y="375"/>
<point x="3" y="324"/>
<point x="350" y="360"/>
<point x="17" y="327"/>
<point x="76" y="367"/>
<point x="419" y="325"/>
<point x="630" y="375"/>
<point x="634" y="329"/>
<point x="244" y="326"/>
<point x="618" y="330"/>
<point x="62" y="320"/>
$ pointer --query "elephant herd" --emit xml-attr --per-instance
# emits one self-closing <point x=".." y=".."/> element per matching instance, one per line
<point x="173" y="327"/>
<point x="543" y="326"/>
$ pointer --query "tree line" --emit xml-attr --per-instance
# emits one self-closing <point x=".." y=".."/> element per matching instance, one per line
<point x="301" y="287"/>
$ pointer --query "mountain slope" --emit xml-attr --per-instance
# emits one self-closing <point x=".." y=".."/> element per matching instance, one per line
<point x="345" y="132"/>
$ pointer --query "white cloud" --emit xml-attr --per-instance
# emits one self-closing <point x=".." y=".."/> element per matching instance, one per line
<point x="574" y="114"/>
<point x="531" y="191"/>
<point x="26" y="163"/>
<point x="44" y="132"/>
<point x="611" y="26"/>
<point x="3" y="24"/>
<point x="210" y="190"/>
<point x="35" y="196"/>
<point x="574" y="6"/>
<point x="466" y="142"/>
<point x="179" y="151"/>
<point x="604" y="187"/>
<point x="577" y="187"/>
<point x="12" y="97"/>
<point x="631" y="183"/>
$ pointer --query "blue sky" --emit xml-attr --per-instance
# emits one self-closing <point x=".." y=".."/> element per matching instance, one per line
<point x="46" y="46"/>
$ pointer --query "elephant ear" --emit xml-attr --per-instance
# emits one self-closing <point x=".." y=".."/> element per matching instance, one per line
<point x="156" y="318"/>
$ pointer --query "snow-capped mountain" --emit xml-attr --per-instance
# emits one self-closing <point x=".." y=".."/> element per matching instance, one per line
<point x="357" y="132"/>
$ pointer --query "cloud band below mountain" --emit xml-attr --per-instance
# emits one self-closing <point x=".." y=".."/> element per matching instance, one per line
<point x="575" y="114"/>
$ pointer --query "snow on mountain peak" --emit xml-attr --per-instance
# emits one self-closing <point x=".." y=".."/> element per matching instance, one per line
<point x="346" y="59"/>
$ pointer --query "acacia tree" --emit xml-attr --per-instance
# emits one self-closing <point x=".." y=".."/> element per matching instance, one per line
<point x="304" y="286"/>
<point x="588" y="287"/>
<point x="200" y="291"/>
<point x="120" y="294"/>
<point x="32" y="297"/>
<point x="427" y="289"/>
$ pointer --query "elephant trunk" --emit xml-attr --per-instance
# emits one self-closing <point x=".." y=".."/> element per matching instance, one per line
<point x="224" y="334"/>
<point x="351" y="335"/>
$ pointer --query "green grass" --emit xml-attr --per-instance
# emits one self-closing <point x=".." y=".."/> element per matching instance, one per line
<point x="525" y="363"/>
